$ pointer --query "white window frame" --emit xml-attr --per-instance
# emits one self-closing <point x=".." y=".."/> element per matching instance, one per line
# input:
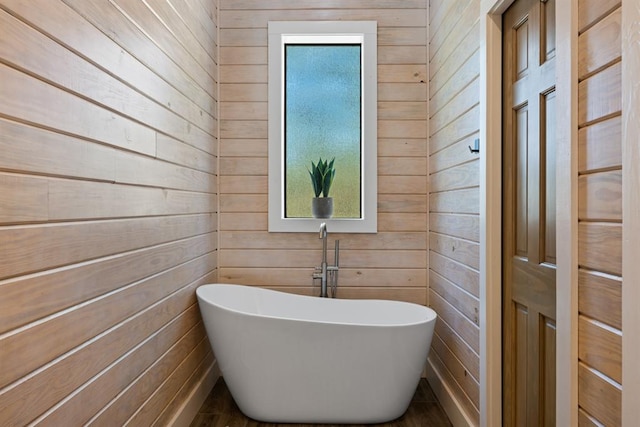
<point x="318" y="32"/>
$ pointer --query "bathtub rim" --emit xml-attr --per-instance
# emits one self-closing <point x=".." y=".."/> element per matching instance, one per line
<point x="431" y="314"/>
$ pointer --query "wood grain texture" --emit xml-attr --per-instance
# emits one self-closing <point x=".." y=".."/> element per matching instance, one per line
<point x="467" y="406"/>
<point x="391" y="262"/>
<point x="301" y="277"/>
<point x="456" y="178"/>
<point x="592" y="11"/>
<point x="258" y="18"/>
<point x="464" y="201"/>
<point x="598" y="396"/>
<point x="108" y="207"/>
<point x="71" y="29"/>
<point x="466" y="303"/>
<point x="447" y="62"/>
<point x="459" y="250"/>
<point x="464" y="126"/>
<point x="599" y="146"/>
<point x="600" y="95"/>
<point x="600" y="196"/>
<point x="314" y="4"/>
<point x="458" y="273"/>
<point x="600" y="347"/>
<point x="459" y="348"/>
<point x="468" y="330"/>
<point x="600" y="231"/>
<point x="600" y="45"/>
<point x="31" y="297"/>
<point x="600" y="297"/>
<point x="457" y="370"/>
<point x="454" y="198"/>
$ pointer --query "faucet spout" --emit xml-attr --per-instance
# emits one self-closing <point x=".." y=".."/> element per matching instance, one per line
<point x="323" y="231"/>
<point x="323" y="236"/>
<point x="324" y="271"/>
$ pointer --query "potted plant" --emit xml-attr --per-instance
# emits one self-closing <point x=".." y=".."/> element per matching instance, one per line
<point x="322" y="175"/>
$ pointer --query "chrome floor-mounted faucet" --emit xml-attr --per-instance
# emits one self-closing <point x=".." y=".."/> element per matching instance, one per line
<point x="328" y="274"/>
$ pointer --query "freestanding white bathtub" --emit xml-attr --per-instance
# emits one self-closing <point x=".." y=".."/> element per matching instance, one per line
<point x="296" y="359"/>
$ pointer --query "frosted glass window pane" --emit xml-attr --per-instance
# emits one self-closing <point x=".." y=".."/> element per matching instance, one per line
<point x="323" y="118"/>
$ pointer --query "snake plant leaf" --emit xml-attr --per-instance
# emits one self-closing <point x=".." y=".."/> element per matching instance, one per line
<point x="328" y="180"/>
<point x="322" y="174"/>
<point x="316" y="188"/>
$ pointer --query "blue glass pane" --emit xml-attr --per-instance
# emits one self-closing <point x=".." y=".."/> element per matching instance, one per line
<point x="323" y="119"/>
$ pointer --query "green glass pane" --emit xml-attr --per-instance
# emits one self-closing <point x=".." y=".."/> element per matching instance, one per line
<point x="323" y="119"/>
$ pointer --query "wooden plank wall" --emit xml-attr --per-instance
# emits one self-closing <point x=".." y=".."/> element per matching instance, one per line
<point x="600" y="213"/>
<point x="454" y="196"/>
<point x="108" y="218"/>
<point x="389" y="264"/>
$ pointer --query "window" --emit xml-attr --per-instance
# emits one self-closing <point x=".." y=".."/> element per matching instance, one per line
<point x="322" y="104"/>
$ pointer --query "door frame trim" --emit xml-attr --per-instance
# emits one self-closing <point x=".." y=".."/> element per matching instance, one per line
<point x="491" y="213"/>
<point x="567" y="217"/>
<point x="630" y="209"/>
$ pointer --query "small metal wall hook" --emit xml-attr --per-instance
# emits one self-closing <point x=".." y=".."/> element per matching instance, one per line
<point x="476" y="146"/>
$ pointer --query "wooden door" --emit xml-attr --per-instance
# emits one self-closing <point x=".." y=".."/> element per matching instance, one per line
<point x="529" y="237"/>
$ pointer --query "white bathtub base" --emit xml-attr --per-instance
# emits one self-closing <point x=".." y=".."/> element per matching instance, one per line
<point x="294" y="359"/>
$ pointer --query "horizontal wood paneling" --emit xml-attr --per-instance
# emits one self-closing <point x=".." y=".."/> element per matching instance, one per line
<point x="446" y="63"/>
<point x="463" y="251"/>
<point x="600" y="347"/>
<point x="598" y="396"/>
<point x="597" y="148"/>
<point x="382" y="240"/>
<point x="464" y="126"/>
<point x="459" y="19"/>
<point x="600" y="297"/>
<point x="301" y="276"/>
<point x="466" y="303"/>
<point x="454" y="197"/>
<point x="458" y="371"/>
<point x="459" y="348"/>
<point x="464" y="201"/>
<point x="293" y="258"/>
<point x="456" y="225"/>
<point x="600" y="196"/>
<point x="108" y="208"/>
<point x="374" y="265"/>
<point x="600" y="95"/>
<point x="461" y="102"/>
<point x="600" y="45"/>
<point x="327" y="4"/>
<point x="442" y="89"/>
<point x="258" y="18"/>
<point x="600" y="247"/>
<point x="459" y="177"/>
<point x="458" y="273"/>
<point x="34" y="296"/>
<point x="600" y="227"/>
<point x="63" y="332"/>
<point x="109" y="19"/>
<point x="586" y="420"/>
<point x="464" y="327"/>
<point x="453" y="387"/>
<point x="592" y="11"/>
<point x="81" y="407"/>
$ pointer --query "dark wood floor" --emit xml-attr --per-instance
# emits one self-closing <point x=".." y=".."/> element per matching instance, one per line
<point x="219" y="410"/>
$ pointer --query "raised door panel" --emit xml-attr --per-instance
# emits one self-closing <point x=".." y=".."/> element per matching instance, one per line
<point x="529" y="235"/>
